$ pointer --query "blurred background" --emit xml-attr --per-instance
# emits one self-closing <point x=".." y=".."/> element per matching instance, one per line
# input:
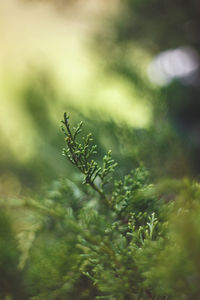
<point x="129" y="69"/>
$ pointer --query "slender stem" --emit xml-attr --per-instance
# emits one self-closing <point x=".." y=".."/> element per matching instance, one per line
<point x="101" y="193"/>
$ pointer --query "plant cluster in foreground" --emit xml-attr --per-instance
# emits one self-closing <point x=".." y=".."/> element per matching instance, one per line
<point x="108" y="239"/>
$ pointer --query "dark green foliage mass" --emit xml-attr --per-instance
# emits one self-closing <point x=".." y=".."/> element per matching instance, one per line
<point x="97" y="237"/>
<point x="11" y="279"/>
<point x="108" y="243"/>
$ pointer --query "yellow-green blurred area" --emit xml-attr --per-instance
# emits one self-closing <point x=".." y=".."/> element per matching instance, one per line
<point x="48" y="65"/>
<point x="134" y="81"/>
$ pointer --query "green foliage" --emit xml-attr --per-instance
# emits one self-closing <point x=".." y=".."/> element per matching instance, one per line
<point x="100" y="235"/>
<point x="129" y="240"/>
<point x="88" y="238"/>
<point x="176" y="270"/>
<point x="11" y="280"/>
<point x="80" y="155"/>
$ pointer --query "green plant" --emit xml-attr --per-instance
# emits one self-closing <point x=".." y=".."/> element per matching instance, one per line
<point x="111" y="239"/>
<point x="130" y="240"/>
<point x="80" y="155"/>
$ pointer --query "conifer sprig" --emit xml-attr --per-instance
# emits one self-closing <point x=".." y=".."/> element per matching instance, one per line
<point x="80" y="154"/>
